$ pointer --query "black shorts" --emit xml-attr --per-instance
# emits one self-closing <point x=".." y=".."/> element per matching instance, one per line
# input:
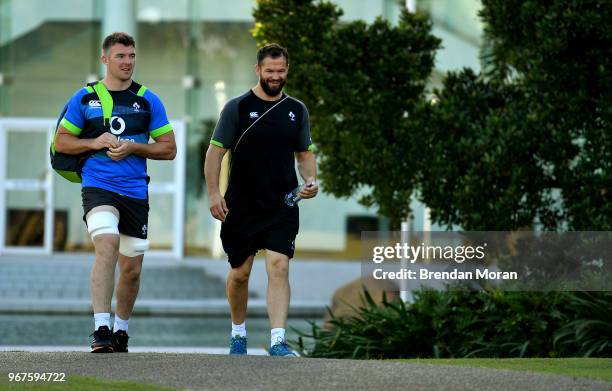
<point x="243" y="233"/>
<point x="133" y="213"/>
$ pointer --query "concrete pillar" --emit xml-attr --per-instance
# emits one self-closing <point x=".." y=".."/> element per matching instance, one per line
<point x="118" y="15"/>
<point x="407" y="225"/>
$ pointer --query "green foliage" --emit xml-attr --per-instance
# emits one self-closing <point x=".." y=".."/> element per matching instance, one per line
<point x="367" y="334"/>
<point x="483" y="172"/>
<point x="531" y="136"/>
<point x="360" y="83"/>
<point x="469" y="324"/>
<point x="590" y="333"/>
<point x="528" y="140"/>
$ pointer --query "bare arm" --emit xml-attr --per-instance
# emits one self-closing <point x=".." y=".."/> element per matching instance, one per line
<point x="307" y="168"/>
<point x="212" y="170"/>
<point x="164" y="148"/>
<point x="68" y="143"/>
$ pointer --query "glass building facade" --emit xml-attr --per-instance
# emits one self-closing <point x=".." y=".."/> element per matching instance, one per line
<point x="195" y="54"/>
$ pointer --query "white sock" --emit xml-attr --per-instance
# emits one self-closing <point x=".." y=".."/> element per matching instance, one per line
<point x="120" y="324"/>
<point x="101" y="319"/>
<point x="239" y="329"/>
<point x="277" y="336"/>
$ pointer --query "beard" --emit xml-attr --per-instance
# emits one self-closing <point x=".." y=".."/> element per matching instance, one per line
<point x="269" y="90"/>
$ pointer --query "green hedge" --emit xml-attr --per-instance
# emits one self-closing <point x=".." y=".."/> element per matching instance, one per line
<point x="469" y="324"/>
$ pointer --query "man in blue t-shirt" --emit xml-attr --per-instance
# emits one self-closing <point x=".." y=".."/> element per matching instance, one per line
<point x="115" y="196"/>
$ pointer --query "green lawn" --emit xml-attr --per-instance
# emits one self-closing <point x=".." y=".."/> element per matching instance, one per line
<point x="595" y="368"/>
<point x="78" y="383"/>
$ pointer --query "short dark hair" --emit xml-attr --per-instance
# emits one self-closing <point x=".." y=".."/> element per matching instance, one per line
<point x="273" y="50"/>
<point x="115" y="38"/>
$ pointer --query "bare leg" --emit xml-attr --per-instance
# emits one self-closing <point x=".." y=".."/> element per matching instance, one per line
<point x="103" y="272"/>
<point x="128" y="285"/>
<point x="237" y="289"/>
<point x="279" y="292"/>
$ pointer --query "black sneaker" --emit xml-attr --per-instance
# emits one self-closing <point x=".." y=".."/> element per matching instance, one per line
<point x="120" y="341"/>
<point x="102" y="340"/>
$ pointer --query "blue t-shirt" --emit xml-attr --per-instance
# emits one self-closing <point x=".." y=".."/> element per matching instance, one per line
<point x="136" y="117"/>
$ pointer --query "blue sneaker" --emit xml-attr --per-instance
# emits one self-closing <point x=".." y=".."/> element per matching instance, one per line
<point x="281" y="350"/>
<point x="238" y="346"/>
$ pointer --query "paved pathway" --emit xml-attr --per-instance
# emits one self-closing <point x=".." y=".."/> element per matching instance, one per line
<point x="139" y="349"/>
<point x="214" y="372"/>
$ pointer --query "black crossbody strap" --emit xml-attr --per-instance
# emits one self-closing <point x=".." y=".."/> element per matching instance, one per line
<point x="254" y="122"/>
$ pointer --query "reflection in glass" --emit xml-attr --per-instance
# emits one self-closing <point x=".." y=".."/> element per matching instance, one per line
<point x="25" y="218"/>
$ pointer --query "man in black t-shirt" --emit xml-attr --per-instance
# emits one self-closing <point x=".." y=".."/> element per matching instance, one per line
<point x="266" y="131"/>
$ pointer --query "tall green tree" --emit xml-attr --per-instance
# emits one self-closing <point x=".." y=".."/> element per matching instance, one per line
<point x="483" y="170"/>
<point x="526" y="140"/>
<point x="360" y="82"/>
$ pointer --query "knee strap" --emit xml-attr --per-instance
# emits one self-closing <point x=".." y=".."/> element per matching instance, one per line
<point x="130" y="246"/>
<point x="102" y="222"/>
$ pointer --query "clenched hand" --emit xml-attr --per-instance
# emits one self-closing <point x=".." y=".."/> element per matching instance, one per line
<point x="123" y="150"/>
<point x="217" y="206"/>
<point x="310" y="190"/>
<point x="105" y="140"/>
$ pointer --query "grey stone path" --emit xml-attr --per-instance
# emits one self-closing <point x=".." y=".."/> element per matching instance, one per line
<point x="210" y="372"/>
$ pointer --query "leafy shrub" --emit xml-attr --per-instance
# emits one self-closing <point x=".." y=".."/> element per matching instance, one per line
<point x="590" y="333"/>
<point x="468" y="324"/>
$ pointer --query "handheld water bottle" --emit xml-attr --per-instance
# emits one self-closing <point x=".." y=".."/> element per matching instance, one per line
<point x="293" y="197"/>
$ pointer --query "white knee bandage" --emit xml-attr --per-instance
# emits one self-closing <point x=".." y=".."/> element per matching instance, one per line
<point x="130" y="246"/>
<point x="102" y="222"/>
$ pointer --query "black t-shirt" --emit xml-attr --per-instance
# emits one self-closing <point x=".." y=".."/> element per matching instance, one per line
<point x="262" y="136"/>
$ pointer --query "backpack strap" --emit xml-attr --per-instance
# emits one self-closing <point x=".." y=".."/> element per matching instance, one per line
<point x="106" y="100"/>
<point x="141" y="91"/>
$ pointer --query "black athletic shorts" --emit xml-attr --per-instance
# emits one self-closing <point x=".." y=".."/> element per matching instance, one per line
<point x="245" y="231"/>
<point x="133" y="213"/>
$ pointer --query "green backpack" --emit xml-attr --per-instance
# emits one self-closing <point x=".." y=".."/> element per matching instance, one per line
<point x="70" y="166"/>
